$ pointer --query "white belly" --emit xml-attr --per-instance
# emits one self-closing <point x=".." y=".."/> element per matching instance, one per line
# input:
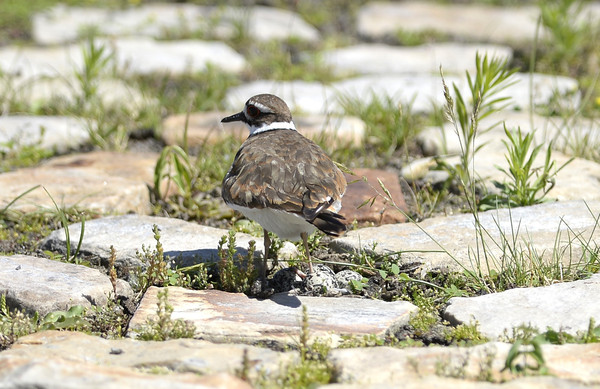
<point x="287" y="226"/>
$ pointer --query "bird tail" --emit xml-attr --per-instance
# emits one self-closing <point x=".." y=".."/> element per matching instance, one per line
<point x="330" y="223"/>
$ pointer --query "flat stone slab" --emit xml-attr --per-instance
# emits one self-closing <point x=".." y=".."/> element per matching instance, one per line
<point x="62" y="24"/>
<point x="384" y="59"/>
<point x="41" y="285"/>
<point x="450" y="242"/>
<point x="207" y="127"/>
<point x="186" y="243"/>
<point x="566" y="306"/>
<point x="144" y="56"/>
<point x="571" y="365"/>
<point x="176" y="358"/>
<point x="103" y="182"/>
<point x="133" y="55"/>
<point x="234" y="317"/>
<point x="420" y="92"/>
<point x="470" y="21"/>
<point x="65" y="90"/>
<point x="58" y="133"/>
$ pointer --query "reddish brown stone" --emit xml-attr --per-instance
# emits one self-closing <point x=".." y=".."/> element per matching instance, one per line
<point x="364" y="186"/>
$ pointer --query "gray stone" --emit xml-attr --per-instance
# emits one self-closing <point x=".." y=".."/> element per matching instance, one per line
<point x="110" y="93"/>
<point x="133" y="55"/>
<point x="568" y="366"/>
<point x="344" y="277"/>
<point x="434" y="382"/>
<point x="41" y="285"/>
<point x="467" y="21"/>
<point x="186" y="243"/>
<point x="548" y="229"/>
<point x="58" y="133"/>
<point x="419" y="92"/>
<point x="144" y="56"/>
<point x="177" y="358"/>
<point x="63" y="24"/>
<point x="234" y="317"/>
<point x="55" y="373"/>
<point x="321" y="280"/>
<point x="566" y="306"/>
<point x="415" y="92"/>
<point x="33" y="63"/>
<point x="383" y="59"/>
<point x="264" y="23"/>
<point x="544" y="89"/>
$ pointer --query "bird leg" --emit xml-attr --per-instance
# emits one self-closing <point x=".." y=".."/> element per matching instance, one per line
<point x="304" y="236"/>
<point x="267" y="244"/>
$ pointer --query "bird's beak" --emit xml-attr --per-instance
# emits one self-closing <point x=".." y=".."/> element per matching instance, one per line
<point x="238" y="117"/>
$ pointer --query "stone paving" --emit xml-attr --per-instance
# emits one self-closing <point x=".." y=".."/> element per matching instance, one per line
<point x="232" y="328"/>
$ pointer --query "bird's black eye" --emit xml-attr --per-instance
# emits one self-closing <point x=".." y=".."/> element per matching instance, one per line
<point x="252" y="111"/>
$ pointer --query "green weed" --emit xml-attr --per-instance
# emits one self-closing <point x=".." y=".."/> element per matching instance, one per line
<point x="492" y="76"/>
<point x="15" y="324"/>
<point x="164" y="327"/>
<point x="156" y="270"/>
<point x="277" y="60"/>
<point x="15" y="155"/>
<point x="313" y="367"/>
<point x="65" y="224"/>
<point x="236" y="273"/>
<point x="528" y="184"/>
<point x="526" y="356"/>
<point x="191" y="92"/>
<point x="389" y="125"/>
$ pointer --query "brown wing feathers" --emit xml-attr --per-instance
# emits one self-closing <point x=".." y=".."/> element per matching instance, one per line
<point x="260" y="177"/>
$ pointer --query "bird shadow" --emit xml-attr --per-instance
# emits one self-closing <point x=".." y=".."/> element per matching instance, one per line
<point x="286" y="300"/>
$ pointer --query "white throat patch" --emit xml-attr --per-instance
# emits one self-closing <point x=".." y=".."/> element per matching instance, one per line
<point x="272" y="126"/>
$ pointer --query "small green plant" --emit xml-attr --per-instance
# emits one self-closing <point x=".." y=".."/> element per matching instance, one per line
<point x="14" y="324"/>
<point x="164" y="327"/>
<point x="313" y="367"/>
<point x="65" y="223"/>
<point x="280" y="61"/>
<point x="565" y="42"/>
<point x="492" y="76"/>
<point x="423" y="320"/>
<point x="96" y="59"/>
<point x="192" y="177"/>
<point x="174" y="165"/>
<point x="236" y="273"/>
<point x="527" y="185"/>
<point x="523" y="350"/>
<point x="181" y="94"/>
<point x="388" y="125"/>
<point x="7" y="213"/>
<point x="157" y="271"/>
<point x="466" y="334"/>
<point x="15" y="153"/>
<point x="72" y="319"/>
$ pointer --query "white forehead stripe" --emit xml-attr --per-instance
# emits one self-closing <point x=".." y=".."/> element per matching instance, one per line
<point x="272" y="126"/>
<point x="263" y="108"/>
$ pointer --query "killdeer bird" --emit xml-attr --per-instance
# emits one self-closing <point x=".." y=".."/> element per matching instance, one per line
<point x="281" y="179"/>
